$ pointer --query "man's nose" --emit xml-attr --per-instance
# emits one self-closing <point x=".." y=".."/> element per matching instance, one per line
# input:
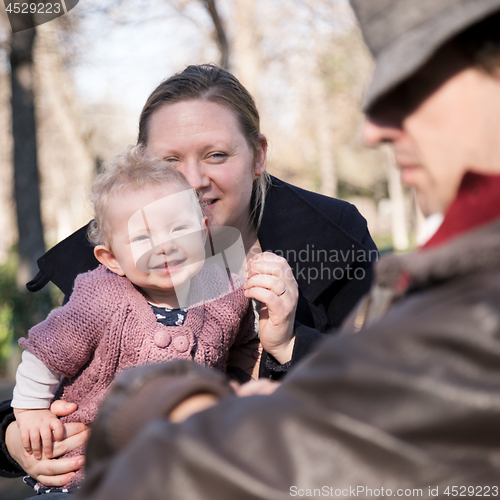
<point x="376" y="132"/>
<point x="194" y="172"/>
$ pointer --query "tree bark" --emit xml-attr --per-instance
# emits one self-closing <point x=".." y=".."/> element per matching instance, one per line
<point x="220" y="33"/>
<point x="26" y="178"/>
<point x="247" y="55"/>
<point x="324" y="136"/>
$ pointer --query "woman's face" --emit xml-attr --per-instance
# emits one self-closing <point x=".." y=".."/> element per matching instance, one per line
<point x="203" y="141"/>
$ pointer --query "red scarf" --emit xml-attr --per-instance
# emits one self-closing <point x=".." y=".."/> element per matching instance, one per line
<point x="477" y="203"/>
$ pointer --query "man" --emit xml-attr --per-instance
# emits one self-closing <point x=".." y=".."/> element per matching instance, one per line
<point x="410" y="404"/>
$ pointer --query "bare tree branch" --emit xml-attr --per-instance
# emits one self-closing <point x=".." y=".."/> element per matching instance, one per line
<point x="220" y="33"/>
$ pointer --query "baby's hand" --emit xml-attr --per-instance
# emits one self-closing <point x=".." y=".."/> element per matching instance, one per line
<point x="38" y="428"/>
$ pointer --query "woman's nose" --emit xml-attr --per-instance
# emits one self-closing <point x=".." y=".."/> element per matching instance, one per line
<point x="194" y="172"/>
<point x="376" y="132"/>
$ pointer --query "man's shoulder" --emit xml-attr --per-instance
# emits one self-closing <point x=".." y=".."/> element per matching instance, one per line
<point x="469" y="256"/>
<point x="454" y="285"/>
<point x="460" y="310"/>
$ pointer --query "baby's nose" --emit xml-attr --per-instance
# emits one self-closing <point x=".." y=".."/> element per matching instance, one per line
<point x="165" y="247"/>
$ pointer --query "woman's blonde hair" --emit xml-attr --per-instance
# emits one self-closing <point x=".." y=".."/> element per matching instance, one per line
<point x="210" y="83"/>
<point x="132" y="170"/>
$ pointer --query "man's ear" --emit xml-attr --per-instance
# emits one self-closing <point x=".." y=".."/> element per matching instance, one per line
<point x="260" y="163"/>
<point x="107" y="258"/>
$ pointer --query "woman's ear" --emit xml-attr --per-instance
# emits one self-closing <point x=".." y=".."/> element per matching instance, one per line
<point x="260" y="163"/>
<point x="107" y="258"/>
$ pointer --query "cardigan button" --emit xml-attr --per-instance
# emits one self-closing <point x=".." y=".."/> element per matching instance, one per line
<point x="162" y="339"/>
<point x="181" y="344"/>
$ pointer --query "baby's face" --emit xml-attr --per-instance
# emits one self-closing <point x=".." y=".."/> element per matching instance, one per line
<point x="157" y="237"/>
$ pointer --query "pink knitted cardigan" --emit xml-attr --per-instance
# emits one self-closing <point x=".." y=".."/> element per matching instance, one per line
<point x="108" y="326"/>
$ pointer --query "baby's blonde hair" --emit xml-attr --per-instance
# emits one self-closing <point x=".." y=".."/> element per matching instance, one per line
<point x="132" y="170"/>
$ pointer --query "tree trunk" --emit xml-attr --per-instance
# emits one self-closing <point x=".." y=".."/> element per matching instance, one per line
<point x="247" y="57"/>
<point x="324" y="136"/>
<point x="26" y="179"/>
<point x="220" y="33"/>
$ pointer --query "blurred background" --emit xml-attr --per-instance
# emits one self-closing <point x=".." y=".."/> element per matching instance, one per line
<point x="70" y="96"/>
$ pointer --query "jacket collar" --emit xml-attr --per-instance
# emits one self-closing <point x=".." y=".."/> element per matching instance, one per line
<point x="318" y="250"/>
<point x="468" y="241"/>
<point x="477" y="203"/>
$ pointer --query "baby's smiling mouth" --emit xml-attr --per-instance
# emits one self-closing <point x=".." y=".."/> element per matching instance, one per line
<point x="168" y="267"/>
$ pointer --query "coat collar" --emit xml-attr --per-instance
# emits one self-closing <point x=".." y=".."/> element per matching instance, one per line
<point x="319" y="250"/>
<point x="477" y="203"/>
<point x="468" y="240"/>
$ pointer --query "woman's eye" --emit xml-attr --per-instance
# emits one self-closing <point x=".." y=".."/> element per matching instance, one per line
<point x="171" y="159"/>
<point x="218" y="156"/>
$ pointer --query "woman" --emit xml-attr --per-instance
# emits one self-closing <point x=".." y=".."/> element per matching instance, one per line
<point x="318" y="251"/>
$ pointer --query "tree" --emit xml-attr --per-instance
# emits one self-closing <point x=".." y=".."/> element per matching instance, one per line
<point x="31" y="243"/>
<point x="220" y="32"/>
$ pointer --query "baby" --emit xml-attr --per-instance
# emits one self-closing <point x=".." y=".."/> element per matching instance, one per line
<point x="152" y="299"/>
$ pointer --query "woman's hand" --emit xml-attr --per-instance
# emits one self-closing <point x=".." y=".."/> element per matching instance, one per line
<point x="192" y="405"/>
<point x="261" y="387"/>
<point x="200" y="402"/>
<point x="51" y="472"/>
<point x="270" y="281"/>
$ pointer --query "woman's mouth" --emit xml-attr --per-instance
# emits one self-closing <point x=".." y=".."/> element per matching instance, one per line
<point x="207" y="205"/>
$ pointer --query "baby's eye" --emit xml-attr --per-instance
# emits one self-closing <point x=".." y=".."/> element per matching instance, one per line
<point x="142" y="237"/>
<point x="180" y="228"/>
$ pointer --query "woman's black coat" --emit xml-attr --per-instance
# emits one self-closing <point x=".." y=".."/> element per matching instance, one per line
<point x="329" y="248"/>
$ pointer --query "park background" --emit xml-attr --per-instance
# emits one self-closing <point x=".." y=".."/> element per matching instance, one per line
<point x="87" y="75"/>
